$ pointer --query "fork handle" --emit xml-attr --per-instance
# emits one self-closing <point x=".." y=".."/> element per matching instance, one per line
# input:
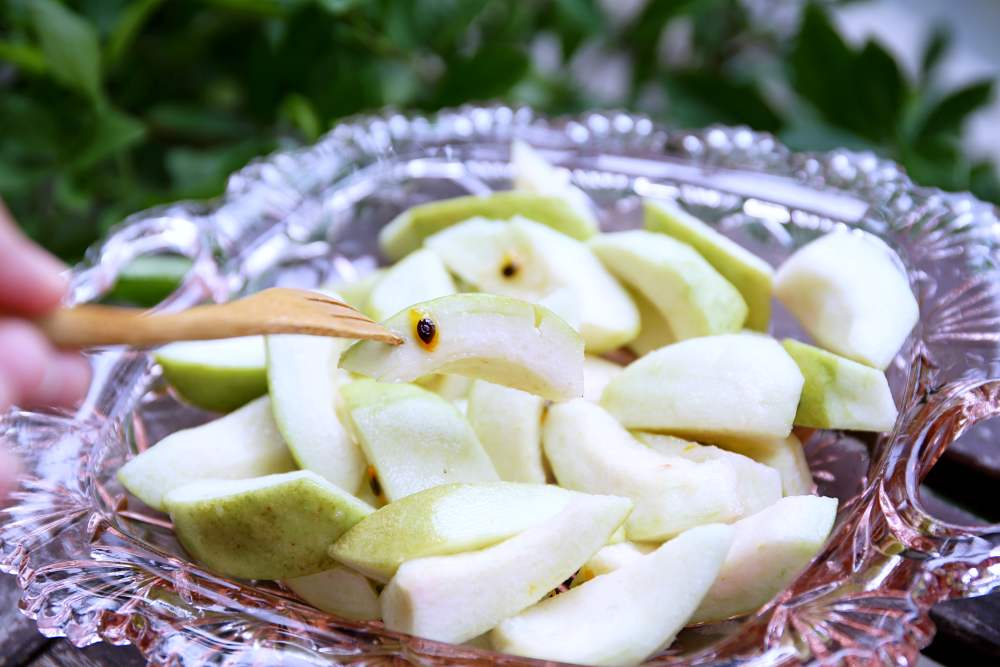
<point x="93" y="325"/>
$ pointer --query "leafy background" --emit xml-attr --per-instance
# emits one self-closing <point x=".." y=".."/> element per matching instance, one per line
<point x="111" y="106"/>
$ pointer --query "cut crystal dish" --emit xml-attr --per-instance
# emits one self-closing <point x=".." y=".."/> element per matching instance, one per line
<point x="95" y="565"/>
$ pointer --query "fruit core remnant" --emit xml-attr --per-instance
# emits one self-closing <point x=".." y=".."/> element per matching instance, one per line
<point x="425" y="329"/>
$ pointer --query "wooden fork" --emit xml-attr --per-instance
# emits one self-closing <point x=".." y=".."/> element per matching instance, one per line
<point x="277" y="310"/>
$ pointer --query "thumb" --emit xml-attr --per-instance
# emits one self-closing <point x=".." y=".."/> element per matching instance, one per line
<point x="30" y="280"/>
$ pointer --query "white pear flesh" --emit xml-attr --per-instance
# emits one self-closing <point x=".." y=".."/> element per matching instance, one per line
<point x="529" y="261"/>
<point x="452" y="387"/>
<point x="407" y="231"/>
<point x="736" y="385"/>
<point x="747" y="272"/>
<point x="597" y="373"/>
<point x="590" y="451"/>
<point x="508" y="423"/>
<point x="533" y="173"/>
<point x="458" y="597"/>
<point x="498" y="339"/>
<point x="272" y="527"/>
<point x="612" y="557"/>
<point x="305" y="386"/>
<point x="626" y="616"/>
<point x="445" y="520"/>
<point x="420" y="276"/>
<point x="355" y="292"/>
<point x="217" y="375"/>
<point x="654" y="331"/>
<point x="245" y="443"/>
<point x="787" y="456"/>
<point x="840" y="393"/>
<point x="691" y="296"/>
<point x="413" y="438"/>
<point x="849" y="292"/>
<point x="339" y="591"/>
<point x="755" y="479"/>
<point x="769" y="550"/>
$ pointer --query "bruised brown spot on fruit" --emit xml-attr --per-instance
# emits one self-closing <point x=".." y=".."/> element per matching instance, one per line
<point x="425" y="330"/>
<point x="376" y="487"/>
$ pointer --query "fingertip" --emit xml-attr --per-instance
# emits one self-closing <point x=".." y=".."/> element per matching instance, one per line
<point x="67" y="376"/>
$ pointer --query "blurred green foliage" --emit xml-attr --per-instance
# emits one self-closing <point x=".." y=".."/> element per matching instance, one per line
<point x="111" y="106"/>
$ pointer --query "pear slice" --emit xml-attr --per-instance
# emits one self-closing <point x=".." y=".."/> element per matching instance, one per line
<point x="590" y="451"/>
<point x="654" y="330"/>
<point x="452" y="387"/>
<point x="755" y="480"/>
<point x="850" y="294"/>
<point x="628" y="615"/>
<point x="691" y="296"/>
<point x="840" y="393"/>
<point x="493" y="338"/>
<point x="597" y="373"/>
<point x="414" y="438"/>
<point x="508" y="423"/>
<point x="242" y="444"/>
<point x="747" y="272"/>
<point x="420" y="276"/>
<point x="217" y="375"/>
<point x="526" y="260"/>
<point x="532" y="173"/>
<point x="769" y="550"/>
<point x="409" y="229"/>
<point x="735" y="385"/>
<point x="305" y="384"/>
<point x="612" y="557"/>
<point x="565" y="303"/>
<point x="445" y="520"/>
<point x="272" y="527"/>
<point x="455" y="598"/>
<point x="339" y="591"/>
<point x="785" y="455"/>
<point x="356" y="292"/>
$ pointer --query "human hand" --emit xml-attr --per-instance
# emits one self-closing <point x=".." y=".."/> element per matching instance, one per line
<point x="32" y="372"/>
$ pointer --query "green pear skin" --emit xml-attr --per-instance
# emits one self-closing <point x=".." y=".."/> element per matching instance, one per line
<point x="623" y="617"/>
<point x="840" y="393"/>
<point x="445" y="520"/>
<point x="498" y="339"/>
<point x="690" y="295"/>
<point x="455" y="598"/>
<point x="751" y="275"/>
<point x="217" y="375"/>
<point x="409" y="229"/>
<point x="245" y="443"/>
<point x="272" y="527"/>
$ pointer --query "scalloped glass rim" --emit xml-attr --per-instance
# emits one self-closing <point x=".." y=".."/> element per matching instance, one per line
<point x="95" y="567"/>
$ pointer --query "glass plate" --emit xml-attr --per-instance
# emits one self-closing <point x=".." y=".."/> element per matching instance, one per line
<point x="95" y="565"/>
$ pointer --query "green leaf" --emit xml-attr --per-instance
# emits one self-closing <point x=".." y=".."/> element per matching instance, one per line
<point x="112" y="133"/>
<point x="642" y="35"/>
<point x="71" y="47"/>
<point x="577" y="21"/>
<point x="984" y="182"/>
<point x="938" y="43"/>
<point x="127" y="28"/>
<point x="880" y="87"/>
<point x="302" y="115"/>
<point x="699" y="98"/>
<point x="338" y="7"/>
<point x="950" y="113"/>
<point x="489" y="73"/>
<point x="23" y="56"/>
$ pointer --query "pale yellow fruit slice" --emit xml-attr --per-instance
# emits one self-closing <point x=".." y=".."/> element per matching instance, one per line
<point x="217" y="375"/>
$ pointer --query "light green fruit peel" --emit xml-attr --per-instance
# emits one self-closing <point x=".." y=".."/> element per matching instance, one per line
<point x="217" y="375"/>
<point x="273" y="527"/>
<point x="751" y="275"/>
<point x="840" y="393"/>
<point x="444" y="520"/>
<point x="409" y="229"/>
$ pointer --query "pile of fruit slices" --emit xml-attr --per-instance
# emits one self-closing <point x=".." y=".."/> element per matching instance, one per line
<point x="493" y="479"/>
